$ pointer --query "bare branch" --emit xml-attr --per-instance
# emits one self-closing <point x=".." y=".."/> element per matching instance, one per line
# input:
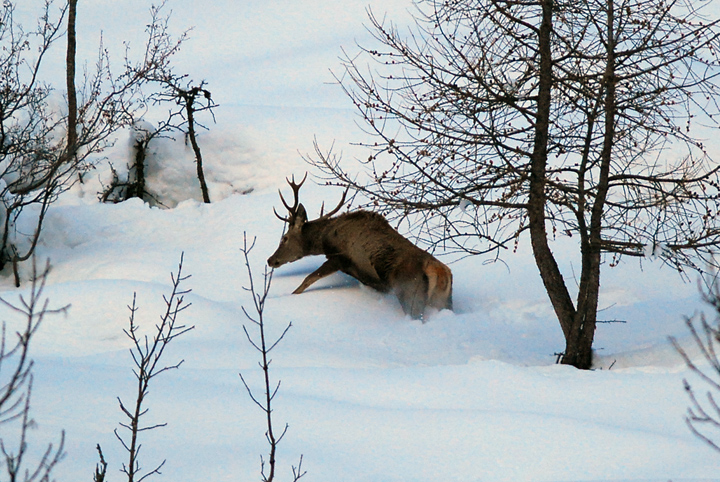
<point x="16" y="386"/>
<point x="703" y="415"/>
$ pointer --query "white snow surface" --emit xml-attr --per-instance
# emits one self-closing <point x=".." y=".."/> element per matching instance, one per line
<point x="368" y="394"/>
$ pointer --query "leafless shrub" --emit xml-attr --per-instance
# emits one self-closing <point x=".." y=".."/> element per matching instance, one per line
<point x="39" y="157"/>
<point x="264" y="347"/>
<point x="703" y="416"/>
<point x="16" y="382"/>
<point x="132" y="183"/>
<point x="146" y="355"/>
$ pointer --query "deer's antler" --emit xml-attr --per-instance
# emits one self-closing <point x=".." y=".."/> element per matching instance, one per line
<point x="296" y="192"/>
<point x="337" y="208"/>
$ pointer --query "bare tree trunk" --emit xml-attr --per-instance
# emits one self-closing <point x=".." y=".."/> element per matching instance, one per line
<point x="578" y="351"/>
<point x="136" y="187"/>
<point x="70" y="78"/>
<point x="190" y="110"/>
<point x="547" y="265"/>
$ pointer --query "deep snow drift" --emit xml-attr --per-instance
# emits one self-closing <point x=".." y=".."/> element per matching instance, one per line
<point x="369" y="395"/>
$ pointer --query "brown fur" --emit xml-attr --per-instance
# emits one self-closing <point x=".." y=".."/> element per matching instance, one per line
<point x="363" y="245"/>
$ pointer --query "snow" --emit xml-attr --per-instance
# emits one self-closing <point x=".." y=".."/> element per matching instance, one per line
<point x="368" y="393"/>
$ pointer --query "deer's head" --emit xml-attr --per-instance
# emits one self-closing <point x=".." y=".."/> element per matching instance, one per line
<point x="293" y="243"/>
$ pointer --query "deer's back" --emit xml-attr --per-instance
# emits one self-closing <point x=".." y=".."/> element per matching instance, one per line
<point x="372" y="243"/>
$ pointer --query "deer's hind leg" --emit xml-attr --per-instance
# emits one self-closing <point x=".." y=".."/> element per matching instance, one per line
<point x="412" y="294"/>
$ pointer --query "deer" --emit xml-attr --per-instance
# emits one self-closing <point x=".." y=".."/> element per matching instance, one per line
<point x="362" y="244"/>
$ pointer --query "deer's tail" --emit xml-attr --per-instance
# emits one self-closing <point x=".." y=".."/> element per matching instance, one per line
<point x="439" y="284"/>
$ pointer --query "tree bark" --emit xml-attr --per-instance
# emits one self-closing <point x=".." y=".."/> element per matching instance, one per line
<point x="70" y="79"/>
<point x="544" y="258"/>
<point x="136" y="186"/>
<point x="190" y="110"/>
<point x="578" y="351"/>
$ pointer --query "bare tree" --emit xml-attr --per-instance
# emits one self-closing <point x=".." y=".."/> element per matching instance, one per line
<point x="43" y="151"/>
<point x="264" y="346"/>
<point x="146" y="354"/>
<point x="163" y="87"/>
<point x="16" y="385"/>
<point x="190" y="99"/>
<point x="29" y="161"/>
<point x="499" y="119"/>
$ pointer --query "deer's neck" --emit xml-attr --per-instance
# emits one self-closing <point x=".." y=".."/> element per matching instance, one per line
<point x="314" y="236"/>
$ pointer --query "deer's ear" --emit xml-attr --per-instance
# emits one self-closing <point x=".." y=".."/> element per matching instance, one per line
<point x="300" y="216"/>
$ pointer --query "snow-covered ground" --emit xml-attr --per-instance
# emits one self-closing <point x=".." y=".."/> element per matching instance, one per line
<point x="369" y="394"/>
